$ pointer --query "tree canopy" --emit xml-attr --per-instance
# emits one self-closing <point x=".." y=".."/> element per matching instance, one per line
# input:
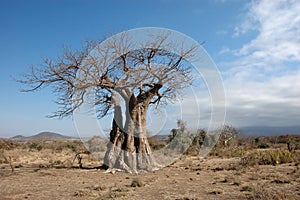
<point x="151" y="73"/>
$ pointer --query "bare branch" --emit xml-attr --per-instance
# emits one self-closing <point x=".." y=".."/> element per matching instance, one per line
<point x="152" y="73"/>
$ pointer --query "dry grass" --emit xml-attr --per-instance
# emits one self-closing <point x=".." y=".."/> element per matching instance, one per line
<point x="262" y="191"/>
<point x="234" y="172"/>
<point x="269" y="157"/>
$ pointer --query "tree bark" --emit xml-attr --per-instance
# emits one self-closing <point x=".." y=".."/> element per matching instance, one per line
<point x="137" y="129"/>
<point x="116" y="140"/>
<point x="129" y="148"/>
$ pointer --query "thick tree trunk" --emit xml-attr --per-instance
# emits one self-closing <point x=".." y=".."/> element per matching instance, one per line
<point x="138" y="129"/>
<point x="128" y="148"/>
<point x="116" y="140"/>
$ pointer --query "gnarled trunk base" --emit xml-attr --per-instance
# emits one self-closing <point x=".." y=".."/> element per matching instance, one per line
<point x="129" y="148"/>
<point x="128" y="153"/>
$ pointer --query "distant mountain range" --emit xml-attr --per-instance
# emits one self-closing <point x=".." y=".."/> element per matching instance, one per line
<point x="251" y="131"/>
<point x="42" y="136"/>
<point x="254" y="131"/>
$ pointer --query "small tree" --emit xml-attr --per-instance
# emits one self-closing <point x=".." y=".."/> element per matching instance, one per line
<point x="198" y="141"/>
<point x="291" y="143"/>
<point x="180" y="138"/>
<point x="228" y="133"/>
<point x="150" y="75"/>
<point x="179" y="131"/>
<point x="202" y="134"/>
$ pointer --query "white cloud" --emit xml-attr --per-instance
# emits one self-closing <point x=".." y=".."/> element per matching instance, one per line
<point x="278" y="27"/>
<point x="263" y="79"/>
<point x="275" y="101"/>
<point x="224" y="50"/>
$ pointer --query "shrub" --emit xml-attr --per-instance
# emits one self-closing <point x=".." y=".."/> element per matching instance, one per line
<point x="75" y="146"/>
<point x="155" y="144"/>
<point x="271" y="157"/>
<point x="263" y="146"/>
<point x="8" y="144"/>
<point x="36" y="146"/>
<point x="249" y="160"/>
<point x="228" y="135"/>
<point x="261" y="191"/>
<point x="229" y="152"/>
<point x="96" y="144"/>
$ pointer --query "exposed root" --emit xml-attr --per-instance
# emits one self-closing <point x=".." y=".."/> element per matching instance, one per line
<point x="112" y="170"/>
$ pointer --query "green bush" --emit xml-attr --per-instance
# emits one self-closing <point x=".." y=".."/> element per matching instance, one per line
<point x="36" y="146"/>
<point x="263" y="146"/>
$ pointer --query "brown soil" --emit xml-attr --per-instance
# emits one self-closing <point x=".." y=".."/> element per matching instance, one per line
<point x="48" y="174"/>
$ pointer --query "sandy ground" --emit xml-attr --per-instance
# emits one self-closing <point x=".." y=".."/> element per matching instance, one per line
<point x="188" y="178"/>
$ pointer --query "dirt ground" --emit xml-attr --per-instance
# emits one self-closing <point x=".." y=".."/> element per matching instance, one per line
<point x="37" y="175"/>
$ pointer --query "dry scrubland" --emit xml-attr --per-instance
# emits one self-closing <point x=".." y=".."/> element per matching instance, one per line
<point x="253" y="168"/>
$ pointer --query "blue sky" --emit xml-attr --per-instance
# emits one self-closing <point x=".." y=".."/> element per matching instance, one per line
<point x="255" y="44"/>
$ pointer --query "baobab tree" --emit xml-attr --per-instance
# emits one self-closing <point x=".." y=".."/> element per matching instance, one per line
<point x="149" y="75"/>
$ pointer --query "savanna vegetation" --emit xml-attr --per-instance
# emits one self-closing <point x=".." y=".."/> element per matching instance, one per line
<point x="241" y="168"/>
